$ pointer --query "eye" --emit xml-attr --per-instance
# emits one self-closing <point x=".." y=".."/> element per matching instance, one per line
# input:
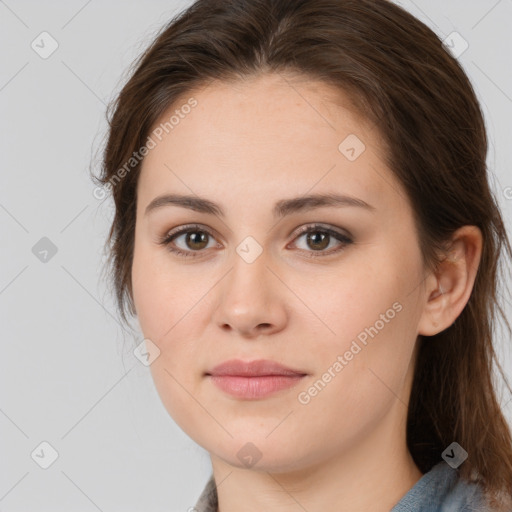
<point x="318" y="238"/>
<point x="194" y="238"/>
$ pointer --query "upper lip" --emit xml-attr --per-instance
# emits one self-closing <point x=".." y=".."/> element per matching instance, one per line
<point x="259" y="367"/>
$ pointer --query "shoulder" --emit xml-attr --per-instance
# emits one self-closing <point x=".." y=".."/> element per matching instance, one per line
<point x="207" y="502"/>
<point x="442" y="490"/>
<point x="439" y="490"/>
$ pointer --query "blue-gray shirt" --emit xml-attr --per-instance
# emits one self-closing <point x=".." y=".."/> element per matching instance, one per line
<point x="438" y="490"/>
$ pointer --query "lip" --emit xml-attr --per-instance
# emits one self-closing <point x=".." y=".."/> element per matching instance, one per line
<point x="253" y="379"/>
<point x="256" y="368"/>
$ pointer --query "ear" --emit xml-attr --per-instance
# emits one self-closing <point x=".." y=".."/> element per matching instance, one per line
<point x="448" y="289"/>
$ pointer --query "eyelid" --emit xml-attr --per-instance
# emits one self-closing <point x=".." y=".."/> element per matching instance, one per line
<point x="188" y="227"/>
<point x="344" y="239"/>
<point x="322" y="227"/>
<point x="171" y="235"/>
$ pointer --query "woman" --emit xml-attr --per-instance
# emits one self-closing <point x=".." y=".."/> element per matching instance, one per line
<point x="305" y="232"/>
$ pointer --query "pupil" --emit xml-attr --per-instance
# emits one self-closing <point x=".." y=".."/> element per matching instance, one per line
<point x="201" y="238"/>
<point x="323" y="238"/>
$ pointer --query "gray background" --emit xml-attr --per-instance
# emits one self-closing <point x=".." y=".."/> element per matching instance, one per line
<point x="68" y="376"/>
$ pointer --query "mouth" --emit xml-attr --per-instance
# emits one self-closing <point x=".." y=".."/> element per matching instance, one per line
<point x="253" y="379"/>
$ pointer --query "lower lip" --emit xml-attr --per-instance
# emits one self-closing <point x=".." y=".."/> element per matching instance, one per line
<point x="254" y="387"/>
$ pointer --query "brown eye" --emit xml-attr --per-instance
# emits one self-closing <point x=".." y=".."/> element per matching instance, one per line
<point x="196" y="240"/>
<point x="191" y="241"/>
<point x="188" y="241"/>
<point x="317" y="240"/>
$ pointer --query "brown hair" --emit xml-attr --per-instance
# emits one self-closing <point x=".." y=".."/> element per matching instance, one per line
<point x="401" y="78"/>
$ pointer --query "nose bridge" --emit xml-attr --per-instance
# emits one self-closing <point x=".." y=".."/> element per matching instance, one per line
<point x="250" y="299"/>
<point x="248" y="280"/>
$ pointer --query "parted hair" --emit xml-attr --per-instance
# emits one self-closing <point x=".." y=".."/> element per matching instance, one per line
<point x="402" y="78"/>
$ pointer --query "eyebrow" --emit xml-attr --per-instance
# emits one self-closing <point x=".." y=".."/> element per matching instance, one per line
<point x="281" y="208"/>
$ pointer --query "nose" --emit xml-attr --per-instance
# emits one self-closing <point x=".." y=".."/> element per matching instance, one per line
<point x="251" y="299"/>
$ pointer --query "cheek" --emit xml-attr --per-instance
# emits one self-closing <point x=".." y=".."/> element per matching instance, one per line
<point x="153" y="294"/>
<point x="369" y="318"/>
<point x="360" y="375"/>
<point x="351" y="301"/>
<point x="160" y="294"/>
<point x="173" y="309"/>
<point x="162" y="304"/>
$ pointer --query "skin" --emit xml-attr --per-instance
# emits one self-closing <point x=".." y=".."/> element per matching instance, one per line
<point x="245" y="146"/>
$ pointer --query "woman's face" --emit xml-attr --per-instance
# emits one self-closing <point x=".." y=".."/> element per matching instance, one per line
<point x="342" y="305"/>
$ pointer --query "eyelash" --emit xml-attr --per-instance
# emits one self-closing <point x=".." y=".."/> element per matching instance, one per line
<point x="344" y="239"/>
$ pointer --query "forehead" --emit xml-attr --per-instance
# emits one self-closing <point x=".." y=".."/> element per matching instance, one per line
<point x="267" y="132"/>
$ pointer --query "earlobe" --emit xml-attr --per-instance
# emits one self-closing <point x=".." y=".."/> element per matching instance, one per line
<point x="449" y="288"/>
<point x="433" y="319"/>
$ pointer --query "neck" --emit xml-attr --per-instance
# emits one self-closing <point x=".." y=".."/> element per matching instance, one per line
<point x="370" y="474"/>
